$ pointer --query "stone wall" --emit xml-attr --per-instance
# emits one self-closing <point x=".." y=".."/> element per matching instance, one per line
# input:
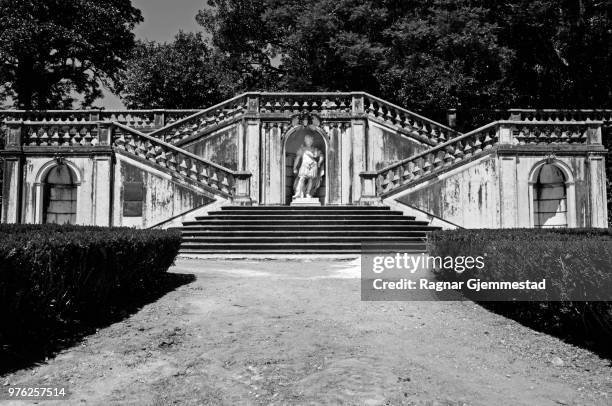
<point x="468" y="196"/>
<point x="388" y="147"/>
<point x="496" y="191"/>
<point x="220" y="147"/>
<point x="164" y="196"/>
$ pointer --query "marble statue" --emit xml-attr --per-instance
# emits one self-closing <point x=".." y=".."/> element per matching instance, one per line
<point x="308" y="167"/>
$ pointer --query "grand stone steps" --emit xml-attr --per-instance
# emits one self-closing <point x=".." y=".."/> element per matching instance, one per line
<point x="300" y="230"/>
<point x="305" y="212"/>
<point x="313" y="221"/>
<point x="295" y="217"/>
<point x="300" y="239"/>
<point x="189" y="233"/>
<point x="252" y="209"/>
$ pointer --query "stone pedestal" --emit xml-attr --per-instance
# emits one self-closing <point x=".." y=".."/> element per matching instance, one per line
<point x="305" y="201"/>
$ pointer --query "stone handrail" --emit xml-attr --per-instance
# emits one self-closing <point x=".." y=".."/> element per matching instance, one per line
<point x="292" y="102"/>
<point x="552" y="132"/>
<point x="222" y="181"/>
<point x="145" y="120"/>
<point x="415" y="125"/>
<point x="508" y="132"/>
<point x="387" y="180"/>
<point x="174" y="126"/>
<point x="57" y="134"/>
<point x="560" y="115"/>
<point x="203" y="120"/>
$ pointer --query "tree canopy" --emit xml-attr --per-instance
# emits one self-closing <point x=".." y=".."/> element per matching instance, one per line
<point x="427" y="55"/>
<point x="54" y="50"/>
<point x="184" y="73"/>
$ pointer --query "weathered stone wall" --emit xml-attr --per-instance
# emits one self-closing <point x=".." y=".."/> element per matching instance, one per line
<point x="387" y="146"/>
<point x="164" y="196"/>
<point x="220" y="147"/>
<point x="93" y="188"/>
<point x="495" y="191"/>
<point x="467" y="196"/>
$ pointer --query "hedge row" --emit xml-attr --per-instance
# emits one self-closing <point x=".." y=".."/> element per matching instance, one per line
<point x="52" y="276"/>
<point x="575" y="263"/>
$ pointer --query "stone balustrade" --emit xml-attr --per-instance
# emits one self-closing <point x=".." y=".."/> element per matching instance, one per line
<point x="405" y="121"/>
<point x="295" y="103"/>
<point x="57" y="134"/>
<point x="460" y="149"/>
<point x="222" y="181"/>
<point x="444" y="155"/>
<point x="138" y="119"/>
<point x="202" y="121"/>
<point x="175" y="126"/>
<point x="560" y="115"/>
<point x="538" y="132"/>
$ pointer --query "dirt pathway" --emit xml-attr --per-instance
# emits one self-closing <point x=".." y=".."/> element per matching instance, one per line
<point x="294" y="333"/>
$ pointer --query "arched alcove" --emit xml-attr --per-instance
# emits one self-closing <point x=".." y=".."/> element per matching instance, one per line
<point x="552" y="200"/>
<point x="59" y="195"/>
<point x="293" y="142"/>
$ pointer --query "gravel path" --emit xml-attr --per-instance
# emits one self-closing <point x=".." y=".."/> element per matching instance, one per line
<point x="296" y="333"/>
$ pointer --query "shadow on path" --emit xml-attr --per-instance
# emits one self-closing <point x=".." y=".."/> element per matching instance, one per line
<point x="31" y="351"/>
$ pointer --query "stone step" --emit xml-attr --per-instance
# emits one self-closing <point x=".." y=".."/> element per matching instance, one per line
<point x="301" y="208"/>
<point x="409" y="233"/>
<point x="258" y="213"/>
<point x="282" y="251"/>
<point x="288" y="246"/>
<point x="300" y="216"/>
<point x="240" y="226"/>
<point x="322" y="238"/>
<point x="305" y="222"/>
<point x="301" y="230"/>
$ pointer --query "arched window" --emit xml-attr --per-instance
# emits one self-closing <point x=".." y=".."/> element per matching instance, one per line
<point x="550" y="197"/>
<point x="60" y="196"/>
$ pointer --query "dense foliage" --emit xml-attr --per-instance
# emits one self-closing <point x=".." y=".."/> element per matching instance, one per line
<point x="184" y="73"/>
<point x="54" y="276"/>
<point x="575" y="263"/>
<point x="425" y="55"/>
<point x="51" y="50"/>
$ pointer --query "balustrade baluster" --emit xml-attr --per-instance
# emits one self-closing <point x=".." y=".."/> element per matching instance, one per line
<point x="44" y="138"/>
<point x="161" y="157"/>
<point x="32" y="136"/>
<point x="193" y="171"/>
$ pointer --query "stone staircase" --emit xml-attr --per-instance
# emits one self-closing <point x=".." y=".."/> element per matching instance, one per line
<point x="300" y="230"/>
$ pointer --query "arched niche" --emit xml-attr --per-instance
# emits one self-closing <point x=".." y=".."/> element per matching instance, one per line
<point x="552" y="195"/>
<point x="60" y="196"/>
<point x="293" y="141"/>
<point x="56" y="193"/>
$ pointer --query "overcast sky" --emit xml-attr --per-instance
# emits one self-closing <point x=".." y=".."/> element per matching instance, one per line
<point x="162" y="20"/>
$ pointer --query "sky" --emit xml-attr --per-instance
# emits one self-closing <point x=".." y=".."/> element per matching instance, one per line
<point x="162" y="20"/>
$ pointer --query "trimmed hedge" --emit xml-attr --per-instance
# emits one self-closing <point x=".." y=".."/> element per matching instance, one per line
<point x="574" y="261"/>
<point x="54" y="276"/>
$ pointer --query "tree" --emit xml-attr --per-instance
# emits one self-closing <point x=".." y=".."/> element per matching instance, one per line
<point x="427" y="55"/>
<point x="444" y="54"/>
<point x="300" y="44"/>
<point x="52" y="50"/>
<point x="185" y="73"/>
<point x="563" y="52"/>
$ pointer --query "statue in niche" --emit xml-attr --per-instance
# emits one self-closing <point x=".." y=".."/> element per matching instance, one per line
<point x="308" y="167"/>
